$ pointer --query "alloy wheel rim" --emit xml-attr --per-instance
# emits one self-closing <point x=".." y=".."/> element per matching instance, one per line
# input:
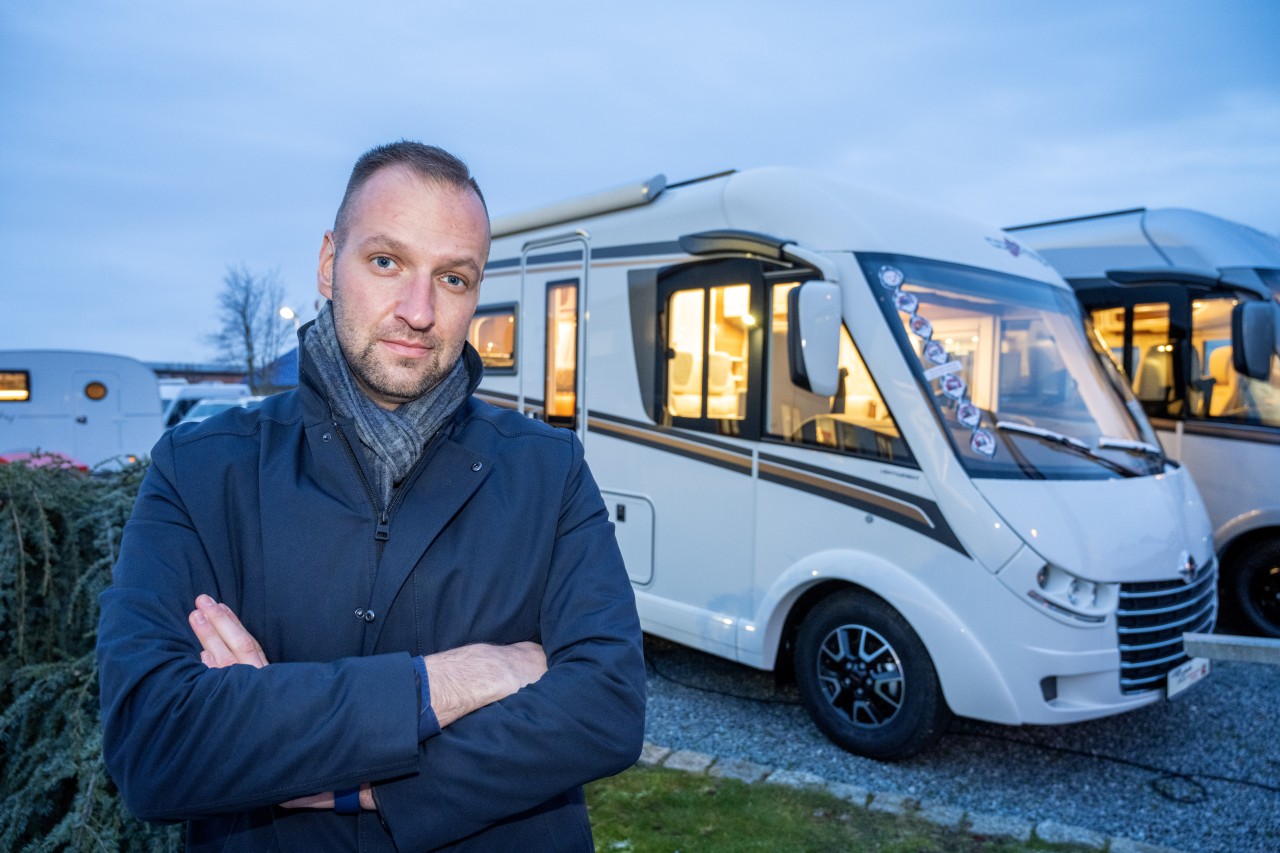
<point x="861" y="676"/>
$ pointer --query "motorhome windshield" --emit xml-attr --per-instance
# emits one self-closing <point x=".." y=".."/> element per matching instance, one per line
<point x="1012" y="376"/>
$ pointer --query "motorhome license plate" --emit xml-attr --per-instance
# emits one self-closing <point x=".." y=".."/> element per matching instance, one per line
<point x="1187" y="674"/>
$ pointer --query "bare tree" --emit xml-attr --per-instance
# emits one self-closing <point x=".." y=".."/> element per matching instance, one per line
<point x="250" y="330"/>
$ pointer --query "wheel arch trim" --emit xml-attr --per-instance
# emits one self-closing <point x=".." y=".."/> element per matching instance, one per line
<point x="970" y="680"/>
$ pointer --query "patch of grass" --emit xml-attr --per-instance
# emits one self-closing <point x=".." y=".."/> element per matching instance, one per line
<point x="659" y="810"/>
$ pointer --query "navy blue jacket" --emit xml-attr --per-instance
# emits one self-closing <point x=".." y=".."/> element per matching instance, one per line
<point x="498" y="535"/>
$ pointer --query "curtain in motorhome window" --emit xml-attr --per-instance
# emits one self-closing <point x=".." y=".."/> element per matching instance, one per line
<point x="708" y="337"/>
<point x="493" y="334"/>
<point x="854" y="420"/>
<point x="562" y="353"/>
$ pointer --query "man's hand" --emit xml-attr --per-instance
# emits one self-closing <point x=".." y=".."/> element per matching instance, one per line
<point x="470" y="677"/>
<point x="224" y="639"/>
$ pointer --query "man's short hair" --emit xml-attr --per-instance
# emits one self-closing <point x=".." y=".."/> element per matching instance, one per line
<point x="426" y="161"/>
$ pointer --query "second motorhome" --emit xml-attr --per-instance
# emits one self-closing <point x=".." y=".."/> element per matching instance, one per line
<point x="869" y="443"/>
<point x="1181" y="299"/>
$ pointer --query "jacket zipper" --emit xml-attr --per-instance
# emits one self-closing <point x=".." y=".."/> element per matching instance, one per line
<point x="382" y="532"/>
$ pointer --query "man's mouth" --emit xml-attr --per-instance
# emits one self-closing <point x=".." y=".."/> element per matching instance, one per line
<point x="406" y="349"/>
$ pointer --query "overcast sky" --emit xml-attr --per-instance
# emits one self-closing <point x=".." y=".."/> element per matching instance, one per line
<point x="144" y="146"/>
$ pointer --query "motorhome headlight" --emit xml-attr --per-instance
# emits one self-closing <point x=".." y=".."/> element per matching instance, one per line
<point x="1065" y="593"/>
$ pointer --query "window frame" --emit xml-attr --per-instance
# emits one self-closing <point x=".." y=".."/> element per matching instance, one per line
<point x="26" y="386"/>
<point x="705" y="275"/>
<point x="570" y="421"/>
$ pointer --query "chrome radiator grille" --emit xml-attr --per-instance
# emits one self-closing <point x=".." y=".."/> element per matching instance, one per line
<point x="1151" y="619"/>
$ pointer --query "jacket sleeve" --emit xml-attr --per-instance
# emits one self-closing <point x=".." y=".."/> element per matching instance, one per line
<point x="583" y="720"/>
<point x="183" y="741"/>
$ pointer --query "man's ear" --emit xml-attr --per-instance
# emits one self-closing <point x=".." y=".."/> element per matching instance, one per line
<point x="324" y="272"/>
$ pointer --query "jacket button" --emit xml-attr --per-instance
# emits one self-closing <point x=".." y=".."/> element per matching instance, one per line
<point x="369" y="616"/>
<point x="359" y="612"/>
<point x="326" y="436"/>
<point x="476" y="466"/>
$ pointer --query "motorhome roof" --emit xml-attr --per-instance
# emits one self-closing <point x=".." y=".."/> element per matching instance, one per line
<point x="1088" y="246"/>
<point x="794" y="206"/>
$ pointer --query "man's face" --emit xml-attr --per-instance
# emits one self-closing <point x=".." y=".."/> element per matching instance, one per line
<point x="405" y="282"/>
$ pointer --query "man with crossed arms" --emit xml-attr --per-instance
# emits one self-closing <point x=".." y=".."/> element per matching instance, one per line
<point x="412" y="628"/>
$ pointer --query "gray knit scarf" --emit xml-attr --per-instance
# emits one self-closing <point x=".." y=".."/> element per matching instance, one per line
<point x="394" y="439"/>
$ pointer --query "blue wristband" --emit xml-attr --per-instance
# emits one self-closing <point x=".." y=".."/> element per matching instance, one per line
<point x="347" y="802"/>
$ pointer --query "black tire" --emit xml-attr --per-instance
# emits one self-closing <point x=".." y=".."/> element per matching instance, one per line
<point x="867" y="680"/>
<point x="1254" y="587"/>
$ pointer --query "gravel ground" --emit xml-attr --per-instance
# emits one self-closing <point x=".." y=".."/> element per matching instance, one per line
<point x="1198" y="773"/>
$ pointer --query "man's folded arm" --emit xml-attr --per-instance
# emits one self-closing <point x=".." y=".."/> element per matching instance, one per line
<point x="582" y="720"/>
<point x="182" y="740"/>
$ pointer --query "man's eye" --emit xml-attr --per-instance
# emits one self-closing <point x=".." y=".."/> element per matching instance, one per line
<point x="382" y="262"/>
<point x="455" y="281"/>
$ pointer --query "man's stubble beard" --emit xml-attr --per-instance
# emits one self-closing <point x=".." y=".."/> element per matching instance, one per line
<point x="375" y="374"/>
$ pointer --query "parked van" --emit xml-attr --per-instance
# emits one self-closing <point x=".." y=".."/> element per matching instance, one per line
<point x="179" y="399"/>
<point x="92" y="408"/>
<point x="1185" y="303"/>
<point x="859" y="440"/>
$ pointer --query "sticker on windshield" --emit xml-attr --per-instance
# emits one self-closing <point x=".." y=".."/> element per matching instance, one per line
<point x="891" y="277"/>
<point x="942" y="369"/>
<point x="921" y="327"/>
<point x="983" y="442"/>
<point x="953" y="386"/>
<point x="906" y="302"/>
<point x="968" y="415"/>
<point x="935" y="352"/>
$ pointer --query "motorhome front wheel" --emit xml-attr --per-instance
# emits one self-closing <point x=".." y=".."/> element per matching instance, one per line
<point x="867" y="680"/>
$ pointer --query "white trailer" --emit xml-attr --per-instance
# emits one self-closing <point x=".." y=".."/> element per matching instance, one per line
<point x="1176" y="297"/>
<point x="93" y="408"/>
<point x="847" y="437"/>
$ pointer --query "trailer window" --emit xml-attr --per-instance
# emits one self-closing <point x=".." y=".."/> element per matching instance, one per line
<point x="854" y="420"/>
<point x="493" y="334"/>
<point x="707" y="333"/>
<point x="15" y="386"/>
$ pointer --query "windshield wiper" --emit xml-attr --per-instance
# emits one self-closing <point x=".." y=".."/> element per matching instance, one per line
<point x="1075" y="445"/>
<point x="1106" y="442"/>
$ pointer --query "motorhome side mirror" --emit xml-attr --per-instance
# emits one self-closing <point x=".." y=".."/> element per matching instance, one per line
<point x="813" y="336"/>
<point x="1253" y="338"/>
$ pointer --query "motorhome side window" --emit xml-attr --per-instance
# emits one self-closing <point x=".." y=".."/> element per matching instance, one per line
<point x="855" y="420"/>
<point x="1217" y="390"/>
<point x="707" y="367"/>
<point x="711" y="347"/>
<point x="1011" y="375"/>
<point x="562" y="353"/>
<point x="493" y="334"/>
<point x="15" y="386"/>
<point x="1149" y="360"/>
<point x="1207" y="386"/>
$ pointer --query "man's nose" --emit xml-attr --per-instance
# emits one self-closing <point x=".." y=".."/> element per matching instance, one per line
<point x="417" y="303"/>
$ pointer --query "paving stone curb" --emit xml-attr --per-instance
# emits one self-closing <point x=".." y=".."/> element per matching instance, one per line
<point x="653" y="755"/>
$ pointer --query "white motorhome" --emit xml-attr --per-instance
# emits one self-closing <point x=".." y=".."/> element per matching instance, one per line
<point x="1182" y="301"/>
<point x="861" y="440"/>
<point x="93" y="408"/>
